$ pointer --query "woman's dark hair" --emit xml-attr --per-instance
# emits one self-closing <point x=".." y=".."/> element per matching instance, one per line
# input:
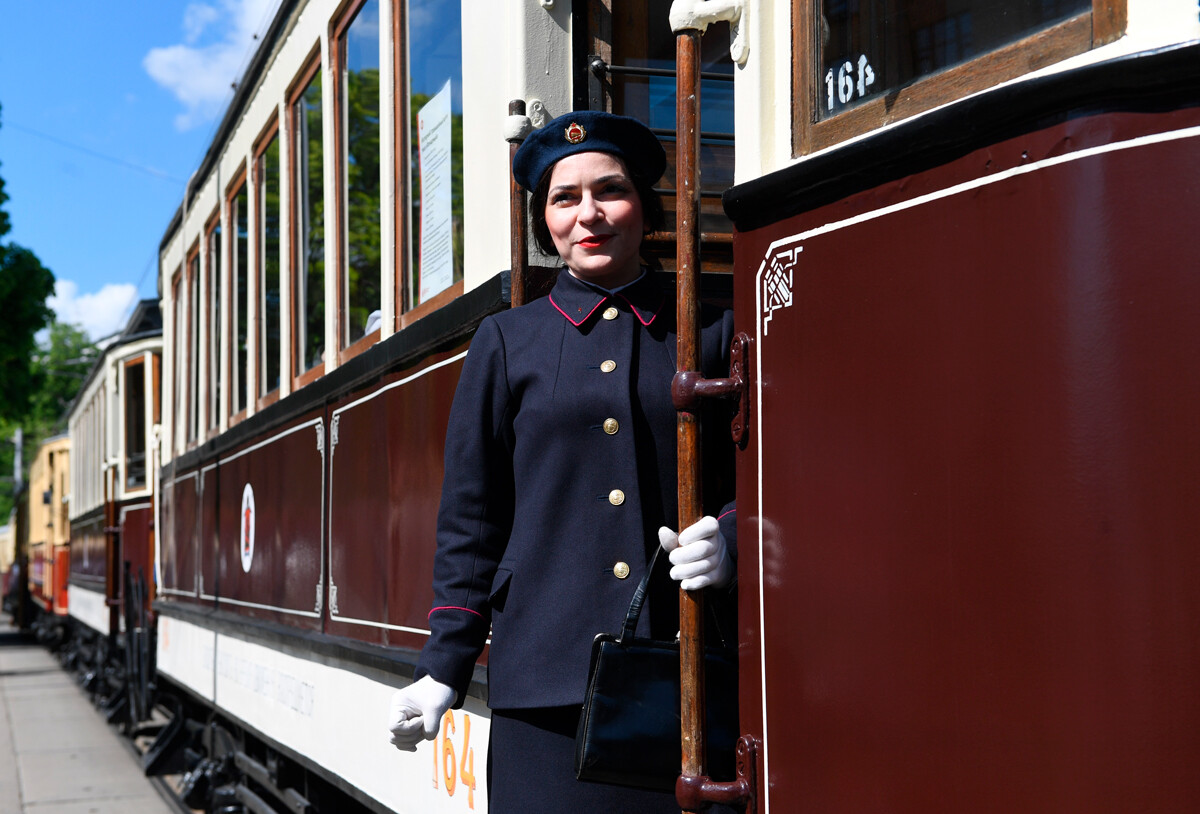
<point x="652" y="208"/>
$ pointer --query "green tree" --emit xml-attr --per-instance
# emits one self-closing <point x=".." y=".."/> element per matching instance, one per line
<point x="59" y="368"/>
<point x="24" y="286"/>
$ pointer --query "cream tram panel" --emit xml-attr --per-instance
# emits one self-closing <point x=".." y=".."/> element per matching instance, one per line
<point x="187" y="653"/>
<point x="89" y="608"/>
<point x="335" y="717"/>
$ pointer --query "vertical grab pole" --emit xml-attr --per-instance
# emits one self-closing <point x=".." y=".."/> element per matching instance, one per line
<point x="687" y="209"/>
<point x="517" y="216"/>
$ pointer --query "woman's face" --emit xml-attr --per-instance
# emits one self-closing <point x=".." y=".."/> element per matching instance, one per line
<point x="594" y="215"/>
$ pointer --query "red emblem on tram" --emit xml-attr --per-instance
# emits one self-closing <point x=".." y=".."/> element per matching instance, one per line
<point x="575" y="132"/>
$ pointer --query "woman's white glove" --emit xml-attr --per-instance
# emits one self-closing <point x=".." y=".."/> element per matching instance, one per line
<point x="417" y="711"/>
<point x="698" y="554"/>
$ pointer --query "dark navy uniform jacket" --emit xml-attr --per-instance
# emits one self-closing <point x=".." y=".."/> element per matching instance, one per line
<point x="560" y="467"/>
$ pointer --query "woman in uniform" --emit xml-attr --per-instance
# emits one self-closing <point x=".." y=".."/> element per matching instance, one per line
<point x="560" y="476"/>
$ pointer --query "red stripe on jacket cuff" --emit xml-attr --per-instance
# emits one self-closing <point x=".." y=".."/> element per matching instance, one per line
<point x="454" y="607"/>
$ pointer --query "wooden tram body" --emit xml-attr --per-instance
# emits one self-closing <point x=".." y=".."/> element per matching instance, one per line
<point x="48" y="532"/>
<point x="963" y="505"/>
<point x="111" y="428"/>
<point x="967" y="568"/>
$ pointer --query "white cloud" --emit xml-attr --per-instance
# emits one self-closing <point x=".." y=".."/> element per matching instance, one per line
<point x="99" y="314"/>
<point x="196" y="18"/>
<point x="219" y="40"/>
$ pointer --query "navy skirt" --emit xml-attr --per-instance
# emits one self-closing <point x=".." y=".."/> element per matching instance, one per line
<point x="531" y="768"/>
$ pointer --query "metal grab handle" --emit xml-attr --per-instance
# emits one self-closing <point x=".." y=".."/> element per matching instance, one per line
<point x="698" y="793"/>
<point x="688" y="387"/>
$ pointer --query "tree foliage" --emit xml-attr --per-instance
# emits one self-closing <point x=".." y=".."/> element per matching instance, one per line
<point x="59" y="368"/>
<point x="24" y="286"/>
<point x="36" y="383"/>
<point x="364" y="248"/>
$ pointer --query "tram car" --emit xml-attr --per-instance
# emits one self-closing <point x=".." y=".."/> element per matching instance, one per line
<point x="48" y="541"/>
<point x="966" y="262"/>
<point x="339" y="244"/>
<point x="956" y="239"/>
<point x="110" y="507"/>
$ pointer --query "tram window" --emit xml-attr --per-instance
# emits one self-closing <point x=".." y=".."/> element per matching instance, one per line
<point x="435" y="144"/>
<point x="193" y="352"/>
<point x="636" y="47"/>
<point x="240" y="293"/>
<point x="179" y="345"/>
<point x="357" y="103"/>
<point x="877" y="63"/>
<point x="308" y="219"/>
<point x="135" y="424"/>
<point x="267" y="215"/>
<point x="212" y="300"/>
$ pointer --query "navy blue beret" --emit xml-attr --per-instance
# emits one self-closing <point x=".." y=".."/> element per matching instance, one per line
<point x="589" y="131"/>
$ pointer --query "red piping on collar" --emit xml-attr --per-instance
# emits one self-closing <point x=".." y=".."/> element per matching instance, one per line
<point x="454" y="607"/>
<point x="585" y="318"/>
<point x="645" y="322"/>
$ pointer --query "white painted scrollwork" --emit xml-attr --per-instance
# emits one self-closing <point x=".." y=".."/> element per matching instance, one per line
<point x="777" y="283"/>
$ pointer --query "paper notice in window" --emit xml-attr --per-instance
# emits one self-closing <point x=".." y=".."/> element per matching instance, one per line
<point x="437" y="228"/>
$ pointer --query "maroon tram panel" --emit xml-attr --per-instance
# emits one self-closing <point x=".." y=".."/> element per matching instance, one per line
<point x="207" y="543"/>
<point x="137" y="544"/>
<point x="269" y="522"/>
<point x="178" y="549"/>
<point x="88" y="562"/>
<point x="385" y="486"/>
<point x="970" y="578"/>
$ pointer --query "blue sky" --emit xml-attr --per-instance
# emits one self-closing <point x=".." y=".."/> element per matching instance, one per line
<point x="105" y="110"/>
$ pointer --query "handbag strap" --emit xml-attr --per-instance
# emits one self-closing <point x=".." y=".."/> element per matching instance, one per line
<point x="639" y="598"/>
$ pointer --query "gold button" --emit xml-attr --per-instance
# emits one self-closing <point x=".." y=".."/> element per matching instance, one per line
<point x="621" y="570"/>
<point x="611" y="426"/>
<point x="608" y="365"/>
<point x="610" y="313"/>
<point x="616" y="497"/>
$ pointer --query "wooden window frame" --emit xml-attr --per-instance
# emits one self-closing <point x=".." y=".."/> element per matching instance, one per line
<point x="143" y="360"/>
<point x="212" y="414"/>
<point x="430" y="305"/>
<point x="312" y="67"/>
<point x="1105" y="23"/>
<point x="240" y="178"/>
<point x="337" y="30"/>
<point x="191" y="273"/>
<point x="271" y="131"/>
<point x="155" y="389"/>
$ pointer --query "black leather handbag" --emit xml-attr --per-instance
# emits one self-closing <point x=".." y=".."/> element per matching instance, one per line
<point x="629" y="730"/>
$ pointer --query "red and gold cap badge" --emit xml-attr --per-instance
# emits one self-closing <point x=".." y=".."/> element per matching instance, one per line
<point x="575" y="132"/>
